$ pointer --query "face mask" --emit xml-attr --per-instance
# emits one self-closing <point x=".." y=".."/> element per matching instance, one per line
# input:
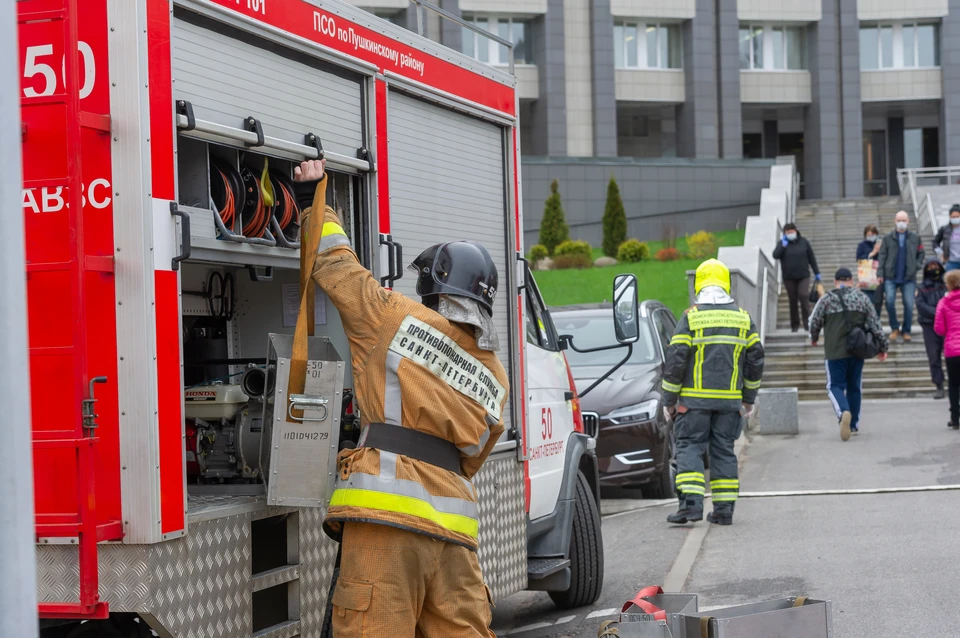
<point x="901" y="226"/>
<point x="841" y="286"/>
<point x="871" y="238"/>
<point x="955" y="220"/>
<point x="791" y="236"/>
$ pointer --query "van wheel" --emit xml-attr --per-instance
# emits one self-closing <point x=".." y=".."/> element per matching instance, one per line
<point x="586" y="552"/>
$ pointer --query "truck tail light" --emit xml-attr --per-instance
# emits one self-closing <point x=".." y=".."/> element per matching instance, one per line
<point x="573" y="398"/>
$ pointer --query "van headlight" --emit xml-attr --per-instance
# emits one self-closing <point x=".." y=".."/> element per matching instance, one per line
<point x="636" y="413"/>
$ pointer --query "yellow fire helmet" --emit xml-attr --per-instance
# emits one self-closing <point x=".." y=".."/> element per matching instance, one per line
<point x="712" y="272"/>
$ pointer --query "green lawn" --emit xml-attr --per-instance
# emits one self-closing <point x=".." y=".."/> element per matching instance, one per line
<point x="664" y="281"/>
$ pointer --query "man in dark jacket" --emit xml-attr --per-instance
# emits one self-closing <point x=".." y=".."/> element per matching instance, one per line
<point x="836" y="313"/>
<point x="901" y="256"/>
<point x="713" y="369"/>
<point x="929" y="294"/>
<point x="946" y="243"/>
<point x="796" y="260"/>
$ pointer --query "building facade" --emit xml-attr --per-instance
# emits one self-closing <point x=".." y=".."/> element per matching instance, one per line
<point x="854" y="89"/>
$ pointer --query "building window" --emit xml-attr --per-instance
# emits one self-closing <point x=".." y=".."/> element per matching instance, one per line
<point x="646" y="46"/>
<point x="395" y="17"/>
<point x="486" y="50"/>
<point x="900" y="45"/>
<point x="771" y="47"/>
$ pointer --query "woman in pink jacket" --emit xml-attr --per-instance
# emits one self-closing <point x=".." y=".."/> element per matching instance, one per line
<point x="947" y="325"/>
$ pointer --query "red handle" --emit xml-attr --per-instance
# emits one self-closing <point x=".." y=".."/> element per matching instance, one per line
<point x="646" y="605"/>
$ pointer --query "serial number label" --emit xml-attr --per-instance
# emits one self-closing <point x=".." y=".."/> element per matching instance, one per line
<point x="306" y="436"/>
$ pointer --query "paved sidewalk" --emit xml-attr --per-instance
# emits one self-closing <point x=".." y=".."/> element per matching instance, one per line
<point x="887" y="561"/>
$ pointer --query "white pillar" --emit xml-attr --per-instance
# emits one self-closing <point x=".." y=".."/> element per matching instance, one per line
<point x="18" y="576"/>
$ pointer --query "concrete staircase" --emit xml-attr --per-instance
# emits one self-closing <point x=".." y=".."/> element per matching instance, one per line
<point x="834" y="229"/>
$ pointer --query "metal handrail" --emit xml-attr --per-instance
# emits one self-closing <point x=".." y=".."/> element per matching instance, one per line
<point x="443" y="13"/>
<point x="926" y="208"/>
<point x="923" y="204"/>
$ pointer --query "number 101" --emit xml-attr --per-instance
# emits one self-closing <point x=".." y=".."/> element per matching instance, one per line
<point x="257" y="5"/>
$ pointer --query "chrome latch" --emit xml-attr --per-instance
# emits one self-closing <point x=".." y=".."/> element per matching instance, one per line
<point x="303" y="402"/>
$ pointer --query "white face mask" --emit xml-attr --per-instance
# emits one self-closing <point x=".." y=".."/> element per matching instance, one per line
<point x="791" y="236"/>
<point x="955" y="220"/>
<point x="871" y="238"/>
<point x="901" y="226"/>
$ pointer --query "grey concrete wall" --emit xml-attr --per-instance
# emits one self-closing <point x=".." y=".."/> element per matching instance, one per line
<point x="691" y="195"/>
<point x="851" y="108"/>
<point x="950" y="103"/>
<point x="728" y="59"/>
<point x="549" y="116"/>
<point x="822" y="178"/>
<point x="603" y="80"/>
<point x="697" y="118"/>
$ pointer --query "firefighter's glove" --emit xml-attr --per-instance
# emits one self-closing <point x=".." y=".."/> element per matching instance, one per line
<point x="669" y="412"/>
<point x="748" y="409"/>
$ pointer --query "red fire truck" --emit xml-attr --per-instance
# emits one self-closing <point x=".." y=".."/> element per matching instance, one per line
<point x="159" y="140"/>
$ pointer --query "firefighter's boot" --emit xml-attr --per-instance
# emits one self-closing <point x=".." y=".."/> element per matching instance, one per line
<point x="689" y="512"/>
<point x="722" y="514"/>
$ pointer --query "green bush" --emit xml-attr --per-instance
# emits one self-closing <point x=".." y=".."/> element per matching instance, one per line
<point x="553" y="226"/>
<point x="538" y="252"/>
<point x="701" y="245"/>
<point x="614" y="220"/>
<point x="571" y="247"/>
<point x="572" y="260"/>
<point x="632" y="251"/>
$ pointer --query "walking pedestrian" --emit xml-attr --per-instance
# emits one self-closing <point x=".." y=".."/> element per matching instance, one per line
<point x="946" y="243"/>
<point x="713" y="367"/>
<point x="929" y="294"/>
<point x="796" y="259"/>
<point x="837" y="313"/>
<point x="947" y="325"/>
<point x="901" y="256"/>
<point x="405" y="507"/>
<point x="867" y="255"/>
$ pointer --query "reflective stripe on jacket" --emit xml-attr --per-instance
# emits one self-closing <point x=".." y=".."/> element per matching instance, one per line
<point x="715" y="359"/>
<point x="411" y="368"/>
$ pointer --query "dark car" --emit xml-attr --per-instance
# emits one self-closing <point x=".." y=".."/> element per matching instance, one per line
<point x="635" y="442"/>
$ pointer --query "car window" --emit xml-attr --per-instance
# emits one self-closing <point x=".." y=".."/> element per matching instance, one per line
<point x="540" y="329"/>
<point x="664" y="327"/>
<point x="595" y="330"/>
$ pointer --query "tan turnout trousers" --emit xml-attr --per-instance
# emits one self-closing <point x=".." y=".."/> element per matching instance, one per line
<point x="400" y="584"/>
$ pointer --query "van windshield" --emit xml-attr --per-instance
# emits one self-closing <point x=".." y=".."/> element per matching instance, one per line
<point x="597" y="330"/>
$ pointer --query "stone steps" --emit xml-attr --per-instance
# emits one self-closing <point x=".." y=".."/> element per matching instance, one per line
<point x="834" y="228"/>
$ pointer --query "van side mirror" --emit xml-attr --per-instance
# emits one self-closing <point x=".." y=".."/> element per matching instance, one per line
<point x="625" y="311"/>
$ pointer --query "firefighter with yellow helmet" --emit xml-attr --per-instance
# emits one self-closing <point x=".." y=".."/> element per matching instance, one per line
<point x="431" y="393"/>
<point x="713" y="369"/>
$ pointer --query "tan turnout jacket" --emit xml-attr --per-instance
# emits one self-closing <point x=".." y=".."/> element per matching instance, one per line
<point x="412" y="368"/>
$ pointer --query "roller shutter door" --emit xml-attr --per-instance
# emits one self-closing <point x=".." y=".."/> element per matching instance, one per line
<point x="447" y="184"/>
<point x="228" y="75"/>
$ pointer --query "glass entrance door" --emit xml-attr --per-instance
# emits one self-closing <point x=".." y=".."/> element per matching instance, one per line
<point x="875" y="163"/>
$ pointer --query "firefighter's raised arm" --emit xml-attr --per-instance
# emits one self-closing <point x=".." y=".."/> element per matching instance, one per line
<point x="358" y="297"/>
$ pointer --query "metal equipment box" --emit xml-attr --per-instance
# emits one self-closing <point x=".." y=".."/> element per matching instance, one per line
<point x="795" y="617"/>
<point x="636" y="623"/>
<point x="301" y="453"/>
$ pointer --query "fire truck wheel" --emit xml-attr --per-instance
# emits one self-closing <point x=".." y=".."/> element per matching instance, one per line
<point x="586" y="552"/>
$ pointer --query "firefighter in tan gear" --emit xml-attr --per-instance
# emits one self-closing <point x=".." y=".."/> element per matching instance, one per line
<point x="431" y="393"/>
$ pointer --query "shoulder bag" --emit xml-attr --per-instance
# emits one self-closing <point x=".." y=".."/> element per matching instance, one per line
<point x="861" y="343"/>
